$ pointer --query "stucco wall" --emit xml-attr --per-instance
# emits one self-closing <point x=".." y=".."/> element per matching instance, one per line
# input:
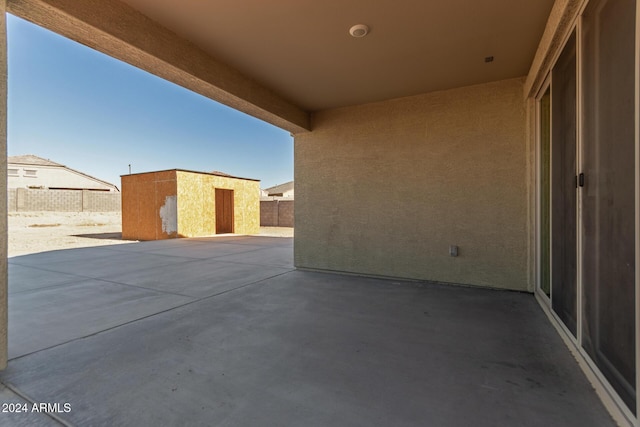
<point x="386" y="188"/>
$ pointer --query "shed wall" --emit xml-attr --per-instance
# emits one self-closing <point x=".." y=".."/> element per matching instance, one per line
<point x="196" y="204"/>
<point x="147" y="200"/>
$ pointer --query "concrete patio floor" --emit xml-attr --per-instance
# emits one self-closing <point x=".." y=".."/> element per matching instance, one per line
<point x="225" y="332"/>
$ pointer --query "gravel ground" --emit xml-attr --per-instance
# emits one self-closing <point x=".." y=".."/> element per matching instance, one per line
<point x="32" y="232"/>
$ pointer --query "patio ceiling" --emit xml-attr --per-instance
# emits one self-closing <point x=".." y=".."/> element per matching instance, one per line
<point x="302" y="49"/>
<point x="281" y="60"/>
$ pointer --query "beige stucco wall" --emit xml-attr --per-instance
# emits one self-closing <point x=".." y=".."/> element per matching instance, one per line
<point x="196" y="204"/>
<point x="386" y="188"/>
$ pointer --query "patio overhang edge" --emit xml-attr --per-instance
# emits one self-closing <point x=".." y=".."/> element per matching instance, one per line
<point x="121" y="32"/>
<point x="558" y="28"/>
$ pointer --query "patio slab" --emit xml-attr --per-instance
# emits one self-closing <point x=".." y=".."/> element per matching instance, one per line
<point x="275" y="256"/>
<point x="24" y="278"/>
<point x="203" y="251"/>
<point x="103" y="263"/>
<point x="291" y="347"/>
<point x="44" y="318"/>
<point x="17" y="417"/>
<point x="205" y="277"/>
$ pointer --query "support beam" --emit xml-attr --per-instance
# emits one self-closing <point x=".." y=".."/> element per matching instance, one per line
<point x="120" y="31"/>
<point x="4" y="280"/>
<point x="559" y="26"/>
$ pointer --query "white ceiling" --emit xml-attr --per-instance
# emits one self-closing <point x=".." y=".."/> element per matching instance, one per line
<point x="302" y="50"/>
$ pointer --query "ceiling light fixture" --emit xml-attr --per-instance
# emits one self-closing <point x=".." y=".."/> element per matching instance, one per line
<point x="359" y="30"/>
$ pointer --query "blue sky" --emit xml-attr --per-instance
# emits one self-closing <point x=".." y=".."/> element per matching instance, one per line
<point x="78" y="107"/>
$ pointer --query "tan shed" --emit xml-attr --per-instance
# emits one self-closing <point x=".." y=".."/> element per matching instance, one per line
<point x="180" y="203"/>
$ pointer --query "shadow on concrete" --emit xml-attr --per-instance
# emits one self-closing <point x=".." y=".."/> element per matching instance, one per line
<point x="107" y="236"/>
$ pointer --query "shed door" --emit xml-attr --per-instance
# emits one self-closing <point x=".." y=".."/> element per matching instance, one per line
<point x="224" y="211"/>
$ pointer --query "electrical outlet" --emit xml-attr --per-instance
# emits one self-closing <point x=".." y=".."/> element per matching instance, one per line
<point x="453" y="250"/>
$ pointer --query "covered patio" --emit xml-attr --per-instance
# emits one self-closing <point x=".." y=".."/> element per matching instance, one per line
<point x="481" y="144"/>
<point x="224" y="331"/>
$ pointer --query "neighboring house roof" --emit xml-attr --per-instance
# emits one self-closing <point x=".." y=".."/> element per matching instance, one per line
<point x="280" y="189"/>
<point x="32" y="160"/>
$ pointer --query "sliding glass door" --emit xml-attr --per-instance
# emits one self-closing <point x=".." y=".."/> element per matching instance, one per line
<point x="587" y="190"/>
<point x="608" y="196"/>
<point x="557" y="138"/>
<point x="563" y="185"/>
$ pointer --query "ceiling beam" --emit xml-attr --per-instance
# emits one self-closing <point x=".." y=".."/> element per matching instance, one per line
<point x="558" y="29"/>
<point x="120" y="31"/>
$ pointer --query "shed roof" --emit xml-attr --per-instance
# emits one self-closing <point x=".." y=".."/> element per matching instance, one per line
<point x="281" y="188"/>
<point x="215" y="173"/>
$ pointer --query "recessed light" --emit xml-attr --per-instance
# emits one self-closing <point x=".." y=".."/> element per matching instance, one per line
<point x="359" y="30"/>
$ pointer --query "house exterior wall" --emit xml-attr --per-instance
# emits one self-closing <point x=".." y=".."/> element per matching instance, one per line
<point x="385" y="188"/>
<point x="196" y="204"/>
<point x="47" y="176"/>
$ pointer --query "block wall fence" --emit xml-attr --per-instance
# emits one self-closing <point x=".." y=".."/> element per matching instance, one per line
<point x="32" y="200"/>
<point x="273" y="213"/>
<point x="276" y="213"/>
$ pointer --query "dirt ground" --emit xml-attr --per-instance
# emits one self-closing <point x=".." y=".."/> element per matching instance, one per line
<point x="32" y="232"/>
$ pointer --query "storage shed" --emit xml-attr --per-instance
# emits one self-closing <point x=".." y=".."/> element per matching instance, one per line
<point x="180" y="203"/>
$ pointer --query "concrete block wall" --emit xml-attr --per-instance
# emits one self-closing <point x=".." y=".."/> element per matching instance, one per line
<point x="97" y="201"/>
<point x="276" y="213"/>
<point x="268" y="213"/>
<point x="285" y="213"/>
<point x="45" y="200"/>
<point x="12" y="199"/>
<point x="33" y="200"/>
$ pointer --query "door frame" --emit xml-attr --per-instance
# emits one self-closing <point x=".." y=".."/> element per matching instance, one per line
<point x="231" y="211"/>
